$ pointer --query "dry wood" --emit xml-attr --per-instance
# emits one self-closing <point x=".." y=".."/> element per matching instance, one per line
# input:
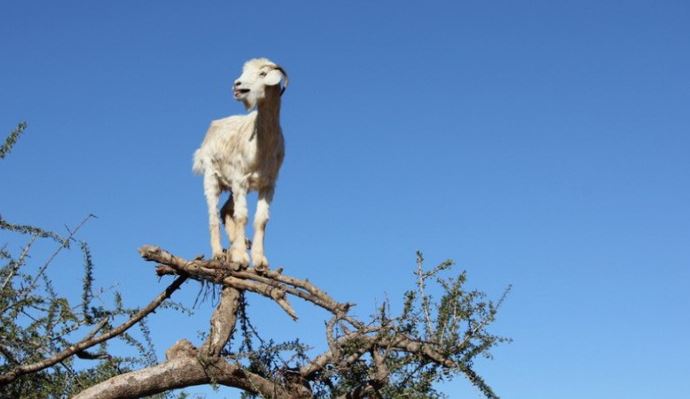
<point x="183" y="371"/>
<point x="222" y="321"/>
<point x="268" y="283"/>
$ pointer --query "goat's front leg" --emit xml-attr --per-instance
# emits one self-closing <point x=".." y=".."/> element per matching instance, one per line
<point x="238" y="250"/>
<point x="212" y="193"/>
<point x="260" y="221"/>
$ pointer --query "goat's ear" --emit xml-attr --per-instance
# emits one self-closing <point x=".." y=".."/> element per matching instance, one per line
<point x="273" y="77"/>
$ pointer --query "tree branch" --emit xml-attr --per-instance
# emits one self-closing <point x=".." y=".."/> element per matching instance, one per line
<point x="386" y="340"/>
<point x="184" y="368"/>
<point x="270" y="284"/>
<point x="222" y="322"/>
<point x="87" y="343"/>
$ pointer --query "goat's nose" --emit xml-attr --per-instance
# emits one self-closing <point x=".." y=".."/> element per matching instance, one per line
<point x="237" y="83"/>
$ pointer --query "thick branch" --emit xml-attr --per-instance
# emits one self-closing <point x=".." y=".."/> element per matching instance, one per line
<point x="381" y="372"/>
<point x="87" y="343"/>
<point x="222" y="322"/>
<point x="269" y="291"/>
<point x="270" y="284"/>
<point x="183" y="371"/>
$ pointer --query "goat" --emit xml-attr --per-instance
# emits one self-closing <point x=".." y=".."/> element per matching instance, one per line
<point x="243" y="153"/>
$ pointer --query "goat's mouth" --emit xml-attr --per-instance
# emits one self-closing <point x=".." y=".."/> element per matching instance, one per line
<point x="238" y="93"/>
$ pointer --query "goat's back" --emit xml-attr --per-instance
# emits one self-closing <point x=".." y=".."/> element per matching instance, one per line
<point x="223" y="140"/>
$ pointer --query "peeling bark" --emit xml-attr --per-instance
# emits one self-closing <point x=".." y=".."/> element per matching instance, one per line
<point x="222" y="322"/>
<point x="180" y="372"/>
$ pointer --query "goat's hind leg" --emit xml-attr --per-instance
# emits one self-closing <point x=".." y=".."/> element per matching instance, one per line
<point x="260" y="221"/>
<point x="226" y="215"/>
<point x="212" y="193"/>
<point x="238" y="249"/>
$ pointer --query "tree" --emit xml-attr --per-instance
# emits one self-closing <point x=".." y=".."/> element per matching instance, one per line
<point x="389" y="356"/>
<point x="44" y="334"/>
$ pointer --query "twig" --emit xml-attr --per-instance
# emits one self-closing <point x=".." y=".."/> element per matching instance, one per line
<point x="63" y="245"/>
<point x="421" y="277"/>
<point x="471" y="333"/>
<point x="20" y="261"/>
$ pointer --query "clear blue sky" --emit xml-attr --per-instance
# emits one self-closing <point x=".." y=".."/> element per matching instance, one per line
<point x="542" y="144"/>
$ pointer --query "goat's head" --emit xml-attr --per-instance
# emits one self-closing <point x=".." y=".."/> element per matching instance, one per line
<point x="261" y="79"/>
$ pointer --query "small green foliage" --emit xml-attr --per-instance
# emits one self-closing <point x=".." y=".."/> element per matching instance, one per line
<point x="32" y="231"/>
<point x="37" y="321"/>
<point x="87" y="282"/>
<point x="454" y="326"/>
<point x="6" y="147"/>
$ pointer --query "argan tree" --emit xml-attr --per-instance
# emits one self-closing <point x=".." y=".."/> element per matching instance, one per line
<point x="389" y="355"/>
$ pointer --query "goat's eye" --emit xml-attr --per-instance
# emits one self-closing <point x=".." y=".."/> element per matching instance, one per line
<point x="262" y="74"/>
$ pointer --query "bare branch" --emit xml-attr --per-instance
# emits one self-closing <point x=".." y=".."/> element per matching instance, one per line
<point x="183" y="371"/>
<point x="381" y="373"/>
<point x="271" y="284"/>
<point x="222" y="322"/>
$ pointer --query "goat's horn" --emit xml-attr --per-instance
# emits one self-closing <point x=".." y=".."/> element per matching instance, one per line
<point x="286" y="78"/>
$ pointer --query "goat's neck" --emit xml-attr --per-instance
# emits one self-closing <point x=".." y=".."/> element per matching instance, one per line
<point x="268" y="121"/>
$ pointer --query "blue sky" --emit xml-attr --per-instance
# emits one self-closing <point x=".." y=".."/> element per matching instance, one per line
<point x="542" y="144"/>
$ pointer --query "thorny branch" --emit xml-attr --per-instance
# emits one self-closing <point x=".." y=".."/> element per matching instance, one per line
<point x="35" y="232"/>
<point x="349" y="340"/>
<point x="376" y="359"/>
<point x="89" y="342"/>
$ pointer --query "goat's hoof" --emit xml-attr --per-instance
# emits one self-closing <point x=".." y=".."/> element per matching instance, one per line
<point x="239" y="257"/>
<point x="260" y="262"/>
<point x="219" y="256"/>
<point x="261" y="268"/>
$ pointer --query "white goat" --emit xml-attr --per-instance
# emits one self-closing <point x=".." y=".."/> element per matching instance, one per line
<point x="244" y="153"/>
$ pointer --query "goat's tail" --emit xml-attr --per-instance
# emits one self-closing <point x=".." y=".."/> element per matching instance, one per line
<point x="198" y="167"/>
